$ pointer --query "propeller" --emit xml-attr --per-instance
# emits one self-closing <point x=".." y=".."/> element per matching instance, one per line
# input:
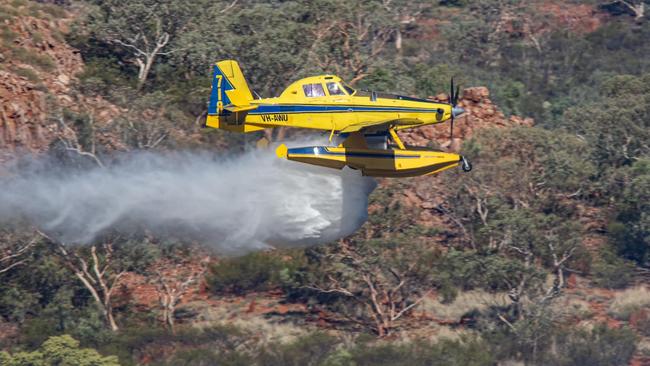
<point x="455" y="111"/>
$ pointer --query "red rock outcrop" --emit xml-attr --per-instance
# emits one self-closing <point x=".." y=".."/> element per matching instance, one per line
<point x="480" y="112"/>
<point x="31" y="95"/>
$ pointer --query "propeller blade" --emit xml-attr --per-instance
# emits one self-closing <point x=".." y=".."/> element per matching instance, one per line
<point x="456" y="95"/>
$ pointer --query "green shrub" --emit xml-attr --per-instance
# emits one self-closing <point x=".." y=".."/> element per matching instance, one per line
<point x="37" y="37"/>
<point x="309" y="350"/>
<point x="27" y="73"/>
<point x="630" y="230"/>
<point x="35" y="11"/>
<point x="102" y="77"/>
<point x="18" y="3"/>
<point x="253" y="272"/>
<point x="131" y="343"/>
<point x="43" y="62"/>
<point x="629" y="301"/>
<point x="463" y="352"/>
<point x="7" y="34"/>
<point x="602" y="346"/>
<point x="61" y="350"/>
<point x="208" y="357"/>
<point x="611" y="271"/>
<point x="53" y="10"/>
<point x="58" y="36"/>
<point x="7" y="13"/>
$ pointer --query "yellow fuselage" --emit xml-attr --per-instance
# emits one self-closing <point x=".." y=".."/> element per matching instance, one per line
<point x="330" y="112"/>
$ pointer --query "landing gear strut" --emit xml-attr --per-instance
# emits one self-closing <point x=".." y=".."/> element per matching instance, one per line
<point x="465" y="164"/>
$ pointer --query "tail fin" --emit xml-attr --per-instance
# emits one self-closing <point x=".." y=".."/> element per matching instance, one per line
<point x="228" y="87"/>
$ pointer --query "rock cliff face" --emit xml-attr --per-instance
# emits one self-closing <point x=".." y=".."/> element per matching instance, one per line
<point x="37" y="76"/>
<point x="25" y="87"/>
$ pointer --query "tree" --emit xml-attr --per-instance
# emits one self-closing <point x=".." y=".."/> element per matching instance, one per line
<point x="144" y="29"/>
<point x="175" y="280"/>
<point x="532" y="169"/>
<point x="78" y="138"/>
<point x="522" y="208"/>
<point x="14" y="251"/>
<point x="405" y="14"/>
<point x="148" y="122"/>
<point x="268" y="39"/>
<point x="599" y="346"/>
<point x="630" y="228"/>
<point x="349" y="37"/>
<point x="99" y="267"/>
<point x="98" y="276"/>
<point x="534" y="238"/>
<point x="373" y="284"/>
<point x="619" y="134"/>
<point x="61" y="350"/>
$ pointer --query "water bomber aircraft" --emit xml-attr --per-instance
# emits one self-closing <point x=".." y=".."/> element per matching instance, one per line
<point x="366" y="123"/>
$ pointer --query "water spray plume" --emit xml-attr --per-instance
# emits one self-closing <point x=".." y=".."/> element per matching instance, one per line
<point x="246" y="203"/>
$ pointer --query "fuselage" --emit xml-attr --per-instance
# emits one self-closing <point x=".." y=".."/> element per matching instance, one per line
<point x="326" y="103"/>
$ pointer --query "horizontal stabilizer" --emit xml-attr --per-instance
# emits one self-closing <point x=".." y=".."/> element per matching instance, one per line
<point x="239" y="108"/>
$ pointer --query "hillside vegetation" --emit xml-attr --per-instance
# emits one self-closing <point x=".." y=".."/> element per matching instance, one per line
<point x="539" y="256"/>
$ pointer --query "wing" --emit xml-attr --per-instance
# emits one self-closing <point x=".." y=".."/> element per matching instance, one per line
<point x="380" y="125"/>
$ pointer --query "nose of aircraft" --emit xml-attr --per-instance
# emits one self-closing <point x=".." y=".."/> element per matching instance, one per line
<point x="457" y="111"/>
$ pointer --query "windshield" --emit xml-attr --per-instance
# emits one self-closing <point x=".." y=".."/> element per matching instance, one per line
<point x="334" y="89"/>
<point x="348" y="89"/>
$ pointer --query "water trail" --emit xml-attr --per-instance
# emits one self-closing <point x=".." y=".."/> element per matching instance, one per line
<point x="236" y="205"/>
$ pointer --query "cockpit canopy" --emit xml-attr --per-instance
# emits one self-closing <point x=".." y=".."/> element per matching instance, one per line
<point x="319" y="86"/>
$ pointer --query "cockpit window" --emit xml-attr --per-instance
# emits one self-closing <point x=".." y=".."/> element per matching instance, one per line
<point x="335" y="89"/>
<point x="348" y="89"/>
<point x="313" y="90"/>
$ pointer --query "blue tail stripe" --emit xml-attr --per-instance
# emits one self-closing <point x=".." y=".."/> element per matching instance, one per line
<point x="214" y="94"/>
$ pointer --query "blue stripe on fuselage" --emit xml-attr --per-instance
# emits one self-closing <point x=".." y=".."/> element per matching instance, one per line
<point x="291" y="108"/>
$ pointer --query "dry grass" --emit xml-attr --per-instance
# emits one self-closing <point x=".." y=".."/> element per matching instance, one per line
<point x="7" y="35"/>
<point x="14" y="8"/>
<point x="18" y="3"/>
<point x="29" y="74"/>
<point x="431" y="332"/>
<point x="644" y="347"/>
<point x="573" y="307"/>
<point x="463" y="304"/>
<point x="42" y="61"/>
<point x="629" y="301"/>
<point x="55" y="11"/>
<point x="265" y="329"/>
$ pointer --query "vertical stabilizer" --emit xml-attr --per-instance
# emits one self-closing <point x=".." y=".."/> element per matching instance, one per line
<point x="228" y="87"/>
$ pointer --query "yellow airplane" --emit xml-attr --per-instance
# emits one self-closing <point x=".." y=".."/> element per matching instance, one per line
<point x="365" y="120"/>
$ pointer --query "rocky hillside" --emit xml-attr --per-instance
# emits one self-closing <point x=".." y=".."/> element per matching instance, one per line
<point x="37" y="78"/>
